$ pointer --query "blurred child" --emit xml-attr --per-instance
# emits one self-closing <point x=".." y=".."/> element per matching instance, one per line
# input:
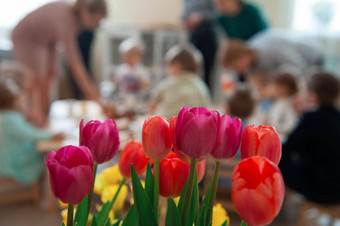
<point x="281" y="114"/>
<point x="183" y="87"/>
<point x="241" y="104"/>
<point x="19" y="158"/>
<point x="132" y="77"/>
<point x="310" y="157"/>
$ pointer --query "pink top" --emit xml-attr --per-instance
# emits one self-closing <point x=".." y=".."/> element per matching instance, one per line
<point x="46" y="26"/>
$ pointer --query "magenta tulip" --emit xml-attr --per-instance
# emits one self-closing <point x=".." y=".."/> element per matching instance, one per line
<point x="101" y="138"/>
<point x="196" y="130"/>
<point x="261" y="141"/>
<point x="156" y="138"/>
<point x="71" y="173"/>
<point x="228" y="138"/>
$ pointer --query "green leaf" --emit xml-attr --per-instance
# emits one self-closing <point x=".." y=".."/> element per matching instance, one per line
<point x="205" y="204"/>
<point x="194" y="204"/>
<point x="172" y="216"/>
<point x="117" y="222"/>
<point x="107" y="223"/>
<point x="224" y="223"/>
<point x="81" y="213"/>
<point x="76" y="224"/>
<point x="243" y="223"/>
<point x="103" y="214"/>
<point x="94" y="221"/>
<point x="131" y="217"/>
<point x="181" y="199"/>
<point x="62" y="224"/>
<point x="149" y="183"/>
<point x="144" y="210"/>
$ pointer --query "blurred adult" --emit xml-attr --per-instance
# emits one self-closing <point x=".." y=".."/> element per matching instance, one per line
<point x="35" y="39"/>
<point x="239" y="19"/>
<point x="198" y="19"/>
<point x="271" y="51"/>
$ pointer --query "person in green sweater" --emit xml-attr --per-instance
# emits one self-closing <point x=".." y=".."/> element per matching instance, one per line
<point x="239" y="19"/>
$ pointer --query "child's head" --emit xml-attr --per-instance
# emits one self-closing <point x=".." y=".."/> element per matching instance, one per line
<point x="241" y="103"/>
<point x="11" y="94"/>
<point x="229" y="7"/>
<point x="91" y="12"/>
<point x="182" y="59"/>
<point x="236" y="55"/>
<point x="283" y="85"/>
<point x="131" y="50"/>
<point x="258" y="81"/>
<point x="324" y="87"/>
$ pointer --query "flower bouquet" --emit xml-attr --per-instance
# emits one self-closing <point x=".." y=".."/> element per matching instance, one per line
<point x="172" y="154"/>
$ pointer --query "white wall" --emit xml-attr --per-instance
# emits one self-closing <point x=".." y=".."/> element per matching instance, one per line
<point x="145" y="12"/>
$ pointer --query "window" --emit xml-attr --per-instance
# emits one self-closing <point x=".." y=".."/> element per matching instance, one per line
<point x="317" y="15"/>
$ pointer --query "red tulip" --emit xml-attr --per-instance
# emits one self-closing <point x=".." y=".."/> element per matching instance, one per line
<point x="156" y="138"/>
<point x="261" y="141"/>
<point x="196" y="130"/>
<point x="174" y="173"/>
<point x="101" y="138"/>
<point x="132" y="153"/>
<point x="228" y="138"/>
<point x="71" y="173"/>
<point x="257" y="190"/>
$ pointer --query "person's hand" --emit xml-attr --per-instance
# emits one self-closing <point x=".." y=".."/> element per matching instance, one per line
<point x="193" y="20"/>
<point x="58" y="137"/>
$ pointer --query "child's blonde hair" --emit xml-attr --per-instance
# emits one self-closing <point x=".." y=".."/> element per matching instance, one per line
<point x="186" y="56"/>
<point x="132" y="44"/>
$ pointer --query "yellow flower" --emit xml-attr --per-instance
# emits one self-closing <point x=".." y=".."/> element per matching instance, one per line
<point x="112" y="175"/>
<point x="99" y="184"/>
<point x="219" y="215"/>
<point x="109" y="192"/>
<point x="63" y="205"/>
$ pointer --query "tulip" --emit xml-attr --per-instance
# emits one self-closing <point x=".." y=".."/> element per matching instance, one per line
<point x="156" y="138"/>
<point x="196" y="130"/>
<point x="257" y="190"/>
<point x="183" y="157"/>
<point x="132" y="153"/>
<point x="228" y="138"/>
<point x="174" y="173"/>
<point x="101" y="138"/>
<point x="261" y="141"/>
<point x="71" y="173"/>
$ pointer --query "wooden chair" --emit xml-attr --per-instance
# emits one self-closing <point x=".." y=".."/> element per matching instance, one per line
<point x="223" y="195"/>
<point x="12" y="191"/>
<point x="310" y="211"/>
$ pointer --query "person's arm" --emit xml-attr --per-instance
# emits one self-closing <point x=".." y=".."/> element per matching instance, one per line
<point x="77" y="66"/>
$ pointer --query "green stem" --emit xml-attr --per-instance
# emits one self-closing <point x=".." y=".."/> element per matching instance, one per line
<point x="208" y="219"/>
<point x="91" y="192"/>
<point x="70" y="209"/>
<point x="156" y="190"/>
<point x="243" y="223"/>
<point x="188" y="192"/>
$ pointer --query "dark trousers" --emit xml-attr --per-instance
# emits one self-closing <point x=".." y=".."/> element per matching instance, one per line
<point x="203" y="37"/>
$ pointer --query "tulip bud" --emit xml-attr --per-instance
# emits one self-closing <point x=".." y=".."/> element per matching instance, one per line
<point x="156" y="138"/>
<point x="183" y="157"/>
<point x="71" y="173"/>
<point x="196" y="130"/>
<point x="132" y="153"/>
<point x="174" y="173"/>
<point x="257" y="190"/>
<point x="261" y="141"/>
<point x="101" y="138"/>
<point x="228" y="138"/>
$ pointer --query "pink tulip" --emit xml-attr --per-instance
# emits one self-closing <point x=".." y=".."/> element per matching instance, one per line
<point x="156" y="138"/>
<point x="71" y="173"/>
<point x="228" y="138"/>
<point x="261" y="141"/>
<point x="196" y="130"/>
<point x="257" y="190"/>
<point x="181" y="156"/>
<point x="101" y="138"/>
